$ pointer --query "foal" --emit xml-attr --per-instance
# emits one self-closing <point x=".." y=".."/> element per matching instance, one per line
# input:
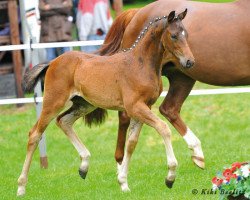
<point x="128" y="81"/>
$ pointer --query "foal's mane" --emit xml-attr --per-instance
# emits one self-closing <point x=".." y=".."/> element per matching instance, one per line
<point x="144" y="31"/>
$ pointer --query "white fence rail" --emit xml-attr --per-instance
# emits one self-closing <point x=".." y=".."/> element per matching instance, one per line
<point x="50" y="45"/>
<point x="193" y="92"/>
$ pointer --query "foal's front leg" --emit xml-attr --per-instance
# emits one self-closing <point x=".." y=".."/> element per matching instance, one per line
<point x="134" y="131"/>
<point x="145" y="115"/>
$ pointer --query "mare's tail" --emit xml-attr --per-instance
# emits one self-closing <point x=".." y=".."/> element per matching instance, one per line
<point x="32" y="76"/>
<point x="111" y="46"/>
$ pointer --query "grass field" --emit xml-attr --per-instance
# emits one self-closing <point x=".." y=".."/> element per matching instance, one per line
<point x="220" y="121"/>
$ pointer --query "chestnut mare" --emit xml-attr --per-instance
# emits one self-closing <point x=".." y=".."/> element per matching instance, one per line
<point x="219" y="36"/>
<point x="128" y="81"/>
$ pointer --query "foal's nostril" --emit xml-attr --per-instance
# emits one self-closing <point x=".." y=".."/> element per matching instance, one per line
<point x="189" y="63"/>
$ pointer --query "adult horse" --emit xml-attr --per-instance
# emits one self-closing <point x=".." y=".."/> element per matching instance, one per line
<point x="128" y="81"/>
<point x="219" y="36"/>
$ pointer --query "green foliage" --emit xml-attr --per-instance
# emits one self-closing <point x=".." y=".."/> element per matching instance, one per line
<point x="234" y="181"/>
<point x="246" y="188"/>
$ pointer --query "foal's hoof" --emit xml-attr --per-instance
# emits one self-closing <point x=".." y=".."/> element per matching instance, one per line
<point x="199" y="161"/>
<point x="83" y="174"/>
<point x="21" y="191"/>
<point x="169" y="183"/>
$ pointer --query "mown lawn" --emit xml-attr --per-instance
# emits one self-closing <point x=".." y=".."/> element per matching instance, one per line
<point x="220" y="121"/>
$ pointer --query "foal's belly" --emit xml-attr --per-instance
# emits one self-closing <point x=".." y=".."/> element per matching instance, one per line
<point x="100" y="88"/>
<point x="107" y="101"/>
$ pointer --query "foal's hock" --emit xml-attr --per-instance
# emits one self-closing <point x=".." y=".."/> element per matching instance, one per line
<point x="128" y="81"/>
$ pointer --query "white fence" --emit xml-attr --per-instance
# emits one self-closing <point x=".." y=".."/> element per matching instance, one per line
<point x="193" y="92"/>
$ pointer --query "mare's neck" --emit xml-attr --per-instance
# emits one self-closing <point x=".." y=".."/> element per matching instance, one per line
<point x="150" y="49"/>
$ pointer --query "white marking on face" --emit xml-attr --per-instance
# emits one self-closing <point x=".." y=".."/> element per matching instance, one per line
<point x="183" y="33"/>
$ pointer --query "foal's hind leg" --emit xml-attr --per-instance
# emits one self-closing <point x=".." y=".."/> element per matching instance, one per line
<point x="180" y="87"/>
<point x="50" y="110"/>
<point x="66" y="120"/>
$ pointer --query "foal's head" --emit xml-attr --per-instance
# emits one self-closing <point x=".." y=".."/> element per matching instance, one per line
<point x="174" y="39"/>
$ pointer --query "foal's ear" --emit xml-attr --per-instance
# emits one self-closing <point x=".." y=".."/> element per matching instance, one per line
<point x="171" y="17"/>
<point x="182" y="15"/>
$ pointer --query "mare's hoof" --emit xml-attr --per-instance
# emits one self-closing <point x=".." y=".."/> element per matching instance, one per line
<point x="199" y="161"/>
<point x="83" y="174"/>
<point x="169" y="183"/>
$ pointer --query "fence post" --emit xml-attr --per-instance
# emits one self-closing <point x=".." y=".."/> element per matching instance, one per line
<point x="16" y="55"/>
<point x="38" y="93"/>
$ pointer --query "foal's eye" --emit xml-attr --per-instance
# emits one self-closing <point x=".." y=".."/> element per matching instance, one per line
<point x="174" y="37"/>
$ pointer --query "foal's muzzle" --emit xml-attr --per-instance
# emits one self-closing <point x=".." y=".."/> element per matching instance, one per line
<point x="189" y="64"/>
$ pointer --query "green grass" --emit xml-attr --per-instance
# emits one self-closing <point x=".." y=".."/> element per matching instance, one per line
<point x="220" y="121"/>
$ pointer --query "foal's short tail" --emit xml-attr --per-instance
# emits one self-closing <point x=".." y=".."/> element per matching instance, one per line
<point x="32" y="76"/>
<point x="111" y="46"/>
<point x="114" y="37"/>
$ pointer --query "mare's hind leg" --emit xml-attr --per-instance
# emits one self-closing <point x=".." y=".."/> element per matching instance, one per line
<point x="66" y="120"/>
<point x="180" y="87"/>
<point x="51" y="107"/>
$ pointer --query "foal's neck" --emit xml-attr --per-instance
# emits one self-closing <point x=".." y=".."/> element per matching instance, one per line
<point x="150" y="48"/>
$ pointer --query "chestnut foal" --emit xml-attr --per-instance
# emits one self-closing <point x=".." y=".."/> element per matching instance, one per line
<point x="128" y="81"/>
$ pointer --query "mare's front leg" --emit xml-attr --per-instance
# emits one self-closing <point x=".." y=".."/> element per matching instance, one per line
<point x="179" y="89"/>
<point x="143" y="114"/>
